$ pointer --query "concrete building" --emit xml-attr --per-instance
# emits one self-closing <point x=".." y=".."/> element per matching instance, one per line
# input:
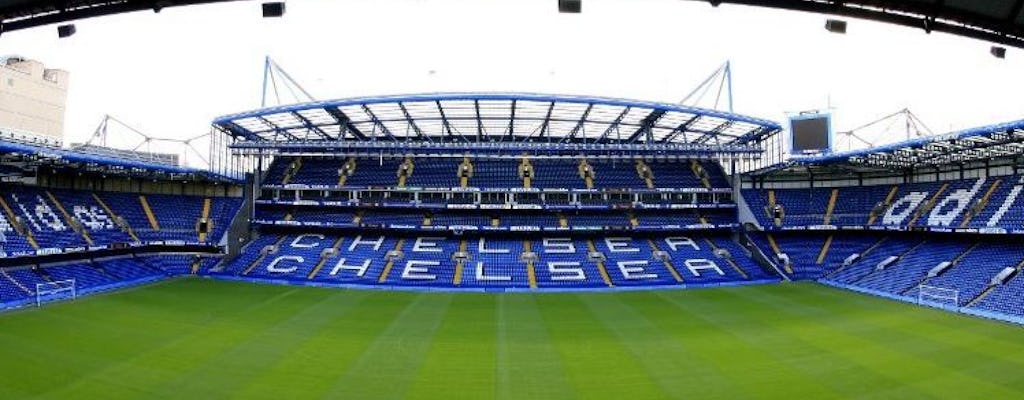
<point x="32" y="99"/>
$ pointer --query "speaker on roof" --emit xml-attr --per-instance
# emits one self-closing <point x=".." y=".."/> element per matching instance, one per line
<point x="998" y="52"/>
<point x="273" y="9"/>
<point x="64" y="31"/>
<point x="570" y="6"/>
<point x="835" y="26"/>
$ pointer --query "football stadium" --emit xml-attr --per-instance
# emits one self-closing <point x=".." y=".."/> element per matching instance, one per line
<point x="515" y="245"/>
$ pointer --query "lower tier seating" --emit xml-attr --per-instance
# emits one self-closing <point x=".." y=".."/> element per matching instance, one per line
<point x="552" y="262"/>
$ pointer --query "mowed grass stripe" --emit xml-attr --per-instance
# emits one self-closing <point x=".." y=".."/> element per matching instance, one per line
<point x="148" y="374"/>
<point x="208" y="339"/>
<point x="528" y="364"/>
<point x="675" y="365"/>
<point x="65" y="353"/>
<point x="862" y="339"/>
<point x="305" y="315"/>
<point x="749" y="365"/>
<point x="760" y="328"/>
<point x="461" y="362"/>
<point x="597" y="363"/>
<point x="319" y="360"/>
<point x="992" y="361"/>
<point x="387" y="367"/>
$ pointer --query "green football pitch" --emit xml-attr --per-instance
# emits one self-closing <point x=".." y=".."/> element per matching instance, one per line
<point x="201" y="339"/>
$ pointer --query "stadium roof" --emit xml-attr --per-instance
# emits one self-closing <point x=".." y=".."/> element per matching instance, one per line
<point x="60" y="158"/>
<point x="976" y="144"/>
<point x="494" y="118"/>
<point x="1000" y="21"/>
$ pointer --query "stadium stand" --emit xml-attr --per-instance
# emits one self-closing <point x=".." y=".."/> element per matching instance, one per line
<point x="501" y="263"/>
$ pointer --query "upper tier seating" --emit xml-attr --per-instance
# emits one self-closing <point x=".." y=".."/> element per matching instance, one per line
<point x="490" y="173"/>
<point x="968" y="203"/>
<point x="71" y="219"/>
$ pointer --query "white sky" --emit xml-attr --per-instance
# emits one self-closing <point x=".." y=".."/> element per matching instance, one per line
<point x="170" y="74"/>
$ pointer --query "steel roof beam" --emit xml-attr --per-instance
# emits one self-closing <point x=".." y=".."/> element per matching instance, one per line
<point x="646" y="126"/>
<point x="309" y="125"/>
<point x="345" y="122"/>
<point x="579" y="125"/>
<point x="681" y="129"/>
<point x="376" y="122"/>
<point x="615" y="124"/>
<point x="412" y="122"/>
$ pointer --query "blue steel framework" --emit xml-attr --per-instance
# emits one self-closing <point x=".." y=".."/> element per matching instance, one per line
<point x="999" y="141"/>
<point x="480" y="121"/>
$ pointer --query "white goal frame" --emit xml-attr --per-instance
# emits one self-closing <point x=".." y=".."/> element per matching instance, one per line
<point x="50" y="291"/>
<point x="939" y="294"/>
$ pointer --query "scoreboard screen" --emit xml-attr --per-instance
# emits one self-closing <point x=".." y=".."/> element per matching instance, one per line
<point x="811" y="133"/>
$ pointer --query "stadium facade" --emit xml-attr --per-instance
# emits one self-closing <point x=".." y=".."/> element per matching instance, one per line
<point x="500" y="192"/>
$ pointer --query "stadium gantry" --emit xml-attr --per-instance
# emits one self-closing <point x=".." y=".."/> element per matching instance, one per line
<point x="999" y="21"/>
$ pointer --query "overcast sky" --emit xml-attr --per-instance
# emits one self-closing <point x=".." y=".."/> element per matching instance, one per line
<point x="170" y="74"/>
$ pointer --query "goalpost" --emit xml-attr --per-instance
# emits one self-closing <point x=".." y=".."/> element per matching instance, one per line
<point x="937" y="294"/>
<point x="56" y="290"/>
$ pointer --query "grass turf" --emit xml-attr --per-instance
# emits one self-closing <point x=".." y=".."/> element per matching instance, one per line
<point x="199" y="339"/>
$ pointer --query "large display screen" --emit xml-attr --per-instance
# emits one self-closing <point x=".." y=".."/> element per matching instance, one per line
<point x="811" y="133"/>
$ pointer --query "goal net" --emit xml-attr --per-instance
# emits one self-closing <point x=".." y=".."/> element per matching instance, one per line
<point x="56" y="290"/>
<point x="937" y="294"/>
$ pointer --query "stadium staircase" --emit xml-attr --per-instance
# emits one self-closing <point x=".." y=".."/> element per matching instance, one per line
<point x="667" y="261"/>
<point x="292" y="170"/>
<point x="17" y="284"/>
<point x="526" y="172"/>
<point x="391" y="262"/>
<point x="884" y="205"/>
<point x="263" y="256"/>
<point x="465" y="172"/>
<point x="586" y="173"/>
<point x="730" y="261"/>
<point x="193" y="267"/>
<point x="978" y="207"/>
<point x="205" y="216"/>
<point x="405" y="171"/>
<point x="831" y="206"/>
<point x="953" y="263"/>
<point x="645" y="173"/>
<point x="153" y="223"/>
<point x="778" y="250"/>
<point x="896" y="264"/>
<point x="19" y="227"/>
<point x="863" y="254"/>
<point x="824" y="249"/>
<point x="929" y="205"/>
<point x="700" y="173"/>
<point x="336" y="246"/>
<point x="600" y="264"/>
<point x="346" y="170"/>
<point x="72" y="222"/>
<point x="988" y="290"/>
<point x="531" y="272"/>
<point x="771" y="207"/>
<point x="460" y="264"/>
<point x="118" y="219"/>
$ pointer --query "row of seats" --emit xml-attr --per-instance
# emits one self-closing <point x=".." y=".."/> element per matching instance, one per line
<point x="54" y="218"/>
<point x="19" y="283"/>
<point x="994" y="202"/>
<point x="486" y="173"/>
<point x="554" y="262"/>
<point x="974" y="262"/>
